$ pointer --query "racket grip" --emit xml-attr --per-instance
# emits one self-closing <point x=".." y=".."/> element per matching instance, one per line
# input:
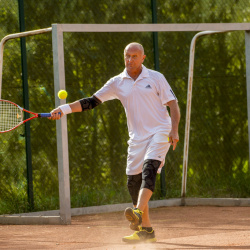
<point x="46" y="114"/>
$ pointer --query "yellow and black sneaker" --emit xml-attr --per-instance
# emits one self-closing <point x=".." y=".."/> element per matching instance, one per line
<point x="134" y="215"/>
<point x="144" y="235"/>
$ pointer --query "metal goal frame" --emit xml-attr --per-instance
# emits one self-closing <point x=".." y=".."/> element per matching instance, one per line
<point x="64" y="215"/>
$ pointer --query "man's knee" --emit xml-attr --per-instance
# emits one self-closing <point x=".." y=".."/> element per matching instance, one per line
<point x="149" y="172"/>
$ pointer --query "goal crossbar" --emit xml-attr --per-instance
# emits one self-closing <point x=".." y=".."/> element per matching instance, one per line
<point x="174" y="27"/>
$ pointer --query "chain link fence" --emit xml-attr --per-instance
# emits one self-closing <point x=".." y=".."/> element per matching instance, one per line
<point x="218" y="158"/>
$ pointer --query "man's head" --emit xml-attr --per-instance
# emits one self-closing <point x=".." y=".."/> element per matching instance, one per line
<point x="134" y="57"/>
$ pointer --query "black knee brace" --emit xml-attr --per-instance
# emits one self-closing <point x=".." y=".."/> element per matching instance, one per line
<point x="149" y="172"/>
<point x="134" y="184"/>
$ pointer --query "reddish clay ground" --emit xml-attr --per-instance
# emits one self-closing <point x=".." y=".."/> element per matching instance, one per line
<point x="176" y="228"/>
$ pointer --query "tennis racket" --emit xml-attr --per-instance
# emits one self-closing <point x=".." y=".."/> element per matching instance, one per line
<point x="12" y="116"/>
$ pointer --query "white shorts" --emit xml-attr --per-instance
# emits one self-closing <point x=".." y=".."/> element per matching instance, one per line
<point x="155" y="148"/>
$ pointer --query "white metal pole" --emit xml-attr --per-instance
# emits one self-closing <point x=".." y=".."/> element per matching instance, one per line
<point x="247" y="53"/>
<point x="61" y="126"/>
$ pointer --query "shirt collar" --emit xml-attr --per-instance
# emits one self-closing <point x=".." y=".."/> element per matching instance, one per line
<point x="143" y="74"/>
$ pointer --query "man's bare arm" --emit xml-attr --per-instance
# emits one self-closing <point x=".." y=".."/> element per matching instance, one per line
<point x="77" y="106"/>
<point x="175" y="118"/>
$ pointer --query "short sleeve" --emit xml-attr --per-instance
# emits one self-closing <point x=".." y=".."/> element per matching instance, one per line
<point x="107" y="92"/>
<point x="165" y="92"/>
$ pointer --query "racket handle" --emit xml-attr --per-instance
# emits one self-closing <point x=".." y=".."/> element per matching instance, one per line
<point x="46" y="114"/>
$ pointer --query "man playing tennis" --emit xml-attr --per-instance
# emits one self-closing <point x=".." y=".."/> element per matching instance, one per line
<point x="144" y="94"/>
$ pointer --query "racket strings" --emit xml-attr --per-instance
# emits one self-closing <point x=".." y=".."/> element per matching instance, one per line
<point x="10" y="116"/>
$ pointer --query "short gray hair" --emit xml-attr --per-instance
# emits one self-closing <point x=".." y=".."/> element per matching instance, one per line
<point x="134" y="44"/>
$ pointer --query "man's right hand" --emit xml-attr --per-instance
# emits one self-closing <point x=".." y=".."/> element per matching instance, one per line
<point x="56" y="114"/>
<point x="173" y="139"/>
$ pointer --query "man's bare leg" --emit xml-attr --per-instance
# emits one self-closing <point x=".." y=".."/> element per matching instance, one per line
<point x="145" y="217"/>
<point x="144" y="197"/>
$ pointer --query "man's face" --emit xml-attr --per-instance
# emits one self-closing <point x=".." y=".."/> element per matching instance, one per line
<point x="133" y="58"/>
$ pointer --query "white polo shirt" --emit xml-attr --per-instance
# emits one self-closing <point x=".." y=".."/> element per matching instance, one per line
<point x="144" y="101"/>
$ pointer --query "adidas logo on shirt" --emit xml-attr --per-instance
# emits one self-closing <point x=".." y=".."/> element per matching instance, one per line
<point x="148" y="87"/>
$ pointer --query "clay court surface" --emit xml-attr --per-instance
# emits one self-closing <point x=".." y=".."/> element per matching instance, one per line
<point x="175" y="227"/>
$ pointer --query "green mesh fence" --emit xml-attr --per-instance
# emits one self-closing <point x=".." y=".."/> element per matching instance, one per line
<point x="218" y="158"/>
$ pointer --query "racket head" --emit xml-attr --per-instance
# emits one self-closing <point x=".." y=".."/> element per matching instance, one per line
<point x="11" y="116"/>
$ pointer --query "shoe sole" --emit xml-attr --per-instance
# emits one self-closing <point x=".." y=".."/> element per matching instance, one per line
<point x="134" y="227"/>
<point x="139" y="241"/>
<point x="131" y="216"/>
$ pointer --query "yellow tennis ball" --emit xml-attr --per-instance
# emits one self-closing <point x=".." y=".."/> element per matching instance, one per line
<point x="62" y="94"/>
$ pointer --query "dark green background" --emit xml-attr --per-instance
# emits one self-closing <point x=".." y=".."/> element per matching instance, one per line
<point x="218" y="159"/>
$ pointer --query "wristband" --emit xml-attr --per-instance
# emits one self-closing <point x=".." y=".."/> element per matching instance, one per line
<point x="65" y="109"/>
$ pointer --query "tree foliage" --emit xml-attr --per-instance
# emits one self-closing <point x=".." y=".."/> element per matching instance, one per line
<point x="218" y="159"/>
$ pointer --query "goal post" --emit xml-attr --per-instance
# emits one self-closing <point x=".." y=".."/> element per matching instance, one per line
<point x="247" y="53"/>
<point x="188" y="108"/>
